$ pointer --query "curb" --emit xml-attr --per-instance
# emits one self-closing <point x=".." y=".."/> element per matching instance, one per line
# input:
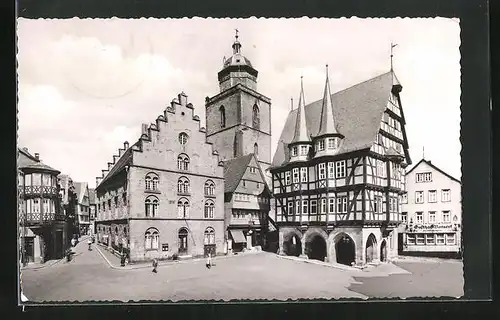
<point x="325" y="264"/>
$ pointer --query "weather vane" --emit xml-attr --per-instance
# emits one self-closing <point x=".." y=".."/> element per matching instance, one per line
<point x="236" y="33"/>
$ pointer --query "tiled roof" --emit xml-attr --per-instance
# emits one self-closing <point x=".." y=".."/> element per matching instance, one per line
<point x="327" y="119"/>
<point x="124" y="160"/>
<point x="435" y="168"/>
<point x="234" y="170"/>
<point x="26" y="160"/>
<point x="301" y="133"/>
<point x="357" y="110"/>
<point x="78" y="189"/>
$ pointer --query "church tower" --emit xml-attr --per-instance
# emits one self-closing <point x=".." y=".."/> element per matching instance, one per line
<point x="238" y="118"/>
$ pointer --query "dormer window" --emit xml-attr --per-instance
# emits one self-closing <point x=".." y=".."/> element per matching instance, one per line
<point x="303" y="150"/>
<point x="332" y="143"/>
<point x="294" y="151"/>
<point x="321" y="145"/>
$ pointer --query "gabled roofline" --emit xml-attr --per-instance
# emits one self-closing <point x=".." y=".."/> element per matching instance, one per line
<point x="435" y="168"/>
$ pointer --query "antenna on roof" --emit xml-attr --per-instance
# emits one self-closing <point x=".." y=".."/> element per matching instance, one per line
<point x="392" y="54"/>
<point x="423" y="152"/>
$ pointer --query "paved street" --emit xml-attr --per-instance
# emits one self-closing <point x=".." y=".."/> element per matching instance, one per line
<point x="255" y="276"/>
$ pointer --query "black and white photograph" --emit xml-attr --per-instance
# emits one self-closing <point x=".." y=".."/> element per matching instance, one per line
<point x="239" y="159"/>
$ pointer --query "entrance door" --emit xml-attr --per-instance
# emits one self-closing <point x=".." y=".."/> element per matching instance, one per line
<point x="345" y="250"/>
<point x="30" y="249"/>
<point x="383" y="251"/>
<point x="183" y="243"/>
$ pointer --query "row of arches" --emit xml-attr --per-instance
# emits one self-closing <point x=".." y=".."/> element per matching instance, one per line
<point x="343" y="250"/>
<point x="152" y="204"/>
<point x="183" y="184"/>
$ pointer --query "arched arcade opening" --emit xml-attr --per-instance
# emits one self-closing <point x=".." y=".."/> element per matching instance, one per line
<point x="345" y="250"/>
<point x="316" y="247"/>
<point x="383" y="251"/>
<point x="292" y="245"/>
<point x="371" y="248"/>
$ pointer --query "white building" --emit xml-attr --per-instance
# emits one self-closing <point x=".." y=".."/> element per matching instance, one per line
<point x="431" y="211"/>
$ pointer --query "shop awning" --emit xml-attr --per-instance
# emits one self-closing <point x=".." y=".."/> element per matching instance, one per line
<point x="238" y="236"/>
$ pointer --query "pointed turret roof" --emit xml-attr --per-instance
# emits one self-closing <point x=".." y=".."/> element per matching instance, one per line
<point x="327" y="122"/>
<point x="301" y="130"/>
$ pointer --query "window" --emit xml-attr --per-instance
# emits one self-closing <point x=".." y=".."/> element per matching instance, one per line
<point x="393" y="204"/>
<point x="404" y="217"/>
<point x="46" y="180"/>
<point x="432" y="196"/>
<point x="377" y="204"/>
<point x="116" y="202"/>
<point x="440" y="238"/>
<point x="27" y="180"/>
<point x="395" y="170"/>
<point x="322" y="170"/>
<point x="331" y="170"/>
<point x="323" y="206"/>
<point x="340" y="169"/>
<point x="331" y="205"/>
<point x="288" y="178"/>
<point x="314" y="207"/>
<point x="420" y="217"/>
<point x="151" y="181"/>
<point x="124" y="198"/>
<point x="419" y="197"/>
<point x="332" y="143"/>
<point x="445" y="195"/>
<point x="341" y="204"/>
<point x="209" y="188"/>
<point x="209" y="209"/>
<point x="295" y="175"/>
<point x="303" y="174"/>
<point x="321" y="145"/>
<point x="420" y="239"/>
<point x="183" y="162"/>
<point x="404" y="198"/>
<point x="305" y="206"/>
<point x="432" y="216"/>
<point x="303" y="150"/>
<point x="151" y="239"/>
<point x="290" y="207"/>
<point x="183" y="185"/>
<point x="255" y="117"/>
<point x="253" y="170"/>
<point x="183" y="138"/>
<point x="209" y="237"/>
<point x="430" y="239"/>
<point x="45" y="207"/>
<point x="381" y="168"/>
<point x="450" y="238"/>
<point x="424" y="177"/>
<point x="151" y="205"/>
<point x="222" y="113"/>
<point x="256" y="149"/>
<point x="410" y="239"/>
<point x="294" y="151"/>
<point x="183" y="208"/>
<point x="297" y="207"/>
<point x="37" y="179"/>
<point x="446" y="216"/>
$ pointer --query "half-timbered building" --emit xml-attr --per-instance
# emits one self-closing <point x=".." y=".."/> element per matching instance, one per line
<point x="338" y="173"/>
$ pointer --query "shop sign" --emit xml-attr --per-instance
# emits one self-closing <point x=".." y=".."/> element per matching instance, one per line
<point x="164" y="247"/>
<point x="433" y="227"/>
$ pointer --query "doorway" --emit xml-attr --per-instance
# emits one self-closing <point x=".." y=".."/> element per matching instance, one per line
<point x="383" y="251"/>
<point x="371" y="245"/>
<point x="316" y="248"/>
<point x="29" y="245"/>
<point x="293" y="246"/>
<point x="345" y="250"/>
<point x="183" y="243"/>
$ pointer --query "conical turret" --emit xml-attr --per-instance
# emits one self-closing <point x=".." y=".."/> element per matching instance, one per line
<point x="301" y="130"/>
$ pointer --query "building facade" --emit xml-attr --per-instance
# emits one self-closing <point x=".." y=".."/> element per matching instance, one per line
<point x="163" y="196"/>
<point x="338" y="173"/>
<point x="83" y="207"/>
<point x="42" y="231"/>
<point x="431" y="211"/>
<point x="246" y="203"/>
<point x="69" y="202"/>
<point x="93" y="210"/>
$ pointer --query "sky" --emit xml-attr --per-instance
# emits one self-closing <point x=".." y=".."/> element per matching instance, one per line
<point x="87" y="85"/>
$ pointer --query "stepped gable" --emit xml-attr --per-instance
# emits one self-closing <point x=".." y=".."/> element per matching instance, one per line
<point x="359" y="106"/>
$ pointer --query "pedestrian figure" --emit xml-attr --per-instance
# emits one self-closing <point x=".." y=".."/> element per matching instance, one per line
<point x="73" y="242"/>
<point x="155" y="265"/>
<point x="209" y="261"/>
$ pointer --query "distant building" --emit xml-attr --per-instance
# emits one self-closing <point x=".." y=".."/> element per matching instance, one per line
<point x="93" y="210"/>
<point x="69" y="202"/>
<point x="164" y="195"/>
<point x="42" y="231"/>
<point x="83" y="207"/>
<point x="431" y="211"/>
<point x="246" y="203"/>
<point x="338" y="174"/>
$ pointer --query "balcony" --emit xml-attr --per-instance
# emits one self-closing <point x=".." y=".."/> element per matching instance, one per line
<point x="36" y="218"/>
<point x="46" y="191"/>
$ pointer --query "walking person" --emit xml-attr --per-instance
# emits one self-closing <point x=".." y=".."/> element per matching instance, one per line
<point x="209" y="261"/>
<point x="155" y="265"/>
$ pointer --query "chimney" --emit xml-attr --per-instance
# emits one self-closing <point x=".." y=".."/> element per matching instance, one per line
<point x="182" y="99"/>
<point x="144" y="129"/>
<point x="37" y="156"/>
<point x="125" y="145"/>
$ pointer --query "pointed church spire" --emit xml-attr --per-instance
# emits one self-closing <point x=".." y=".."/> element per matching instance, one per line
<point x="301" y="131"/>
<point x="327" y="123"/>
